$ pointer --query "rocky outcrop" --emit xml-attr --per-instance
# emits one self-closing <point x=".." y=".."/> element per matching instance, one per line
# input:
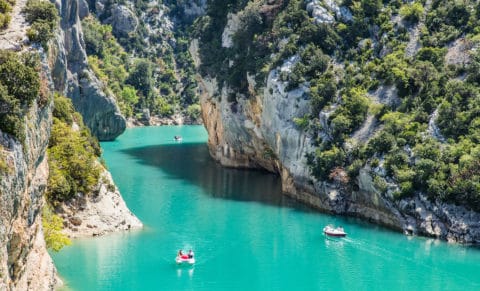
<point x="24" y="261"/>
<point x="189" y="10"/>
<point x="74" y="79"/>
<point x="123" y="20"/>
<point x="259" y="131"/>
<point x="99" y="213"/>
<point x="233" y="24"/>
<point x="14" y="36"/>
<point x="325" y="11"/>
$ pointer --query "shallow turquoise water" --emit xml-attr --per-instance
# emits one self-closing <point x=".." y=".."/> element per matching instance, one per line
<point x="246" y="235"/>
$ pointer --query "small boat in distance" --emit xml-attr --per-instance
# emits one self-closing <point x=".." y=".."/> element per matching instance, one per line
<point x="177" y="138"/>
<point x="185" y="259"/>
<point x="329" y="230"/>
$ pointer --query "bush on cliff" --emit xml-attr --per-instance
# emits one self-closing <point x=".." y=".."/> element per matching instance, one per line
<point x="52" y="230"/>
<point x="43" y="16"/>
<point x="19" y="87"/>
<point x="72" y="155"/>
<point x="5" y="9"/>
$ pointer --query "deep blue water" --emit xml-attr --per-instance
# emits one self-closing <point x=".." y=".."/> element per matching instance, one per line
<point x="245" y="233"/>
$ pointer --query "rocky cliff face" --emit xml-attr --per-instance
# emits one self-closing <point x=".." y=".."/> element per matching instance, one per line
<point x="259" y="131"/>
<point x="73" y="77"/>
<point x="98" y="214"/>
<point x="24" y="261"/>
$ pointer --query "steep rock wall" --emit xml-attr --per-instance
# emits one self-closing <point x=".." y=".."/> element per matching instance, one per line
<point x="73" y="77"/>
<point x="24" y="261"/>
<point x="260" y="132"/>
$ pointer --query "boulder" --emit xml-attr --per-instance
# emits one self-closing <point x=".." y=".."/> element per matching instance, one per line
<point x="123" y="20"/>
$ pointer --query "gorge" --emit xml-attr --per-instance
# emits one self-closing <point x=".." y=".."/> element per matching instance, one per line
<point x="363" y="108"/>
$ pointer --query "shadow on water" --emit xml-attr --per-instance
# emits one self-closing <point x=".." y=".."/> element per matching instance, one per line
<point x="192" y="162"/>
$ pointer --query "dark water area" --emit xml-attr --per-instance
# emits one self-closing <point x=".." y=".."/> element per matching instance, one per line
<point x="192" y="163"/>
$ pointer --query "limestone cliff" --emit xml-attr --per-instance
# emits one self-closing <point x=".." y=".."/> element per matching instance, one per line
<point x="24" y="261"/>
<point x="256" y="126"/>
<point x="98" y="214"/>
<point x="74" y="79"/>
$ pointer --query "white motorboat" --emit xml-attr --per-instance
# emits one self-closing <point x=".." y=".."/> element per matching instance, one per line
<point x="334" y="231"/>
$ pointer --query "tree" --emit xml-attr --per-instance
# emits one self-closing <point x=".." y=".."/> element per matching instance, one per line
<point x="141" y="77"/>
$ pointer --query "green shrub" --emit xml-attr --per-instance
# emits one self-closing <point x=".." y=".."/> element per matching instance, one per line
<point x="41" y="10"/>
<point x="4" y="20"/>
<point x="380" y="184"/>
<point x="43" y="16"/>
<point x="52" y="230"/>
<point x="302" y="122"/>
<point x="412" y="12"/>
<point x="63" y="109"/>
<point x="19" y="87"/>
<point x="72" y="155"/>
<point x="11" y="117"/>
<point x="326" y="160"/>
<point x="40" y="32"/>
<point x="141" y="77"/>
<point x="74" y="163"/>
<point x="21" y="79"/>
<point x="194" y="111"/>
<point x="5" y="9"/>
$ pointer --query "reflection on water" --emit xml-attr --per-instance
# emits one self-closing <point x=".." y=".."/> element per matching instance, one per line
<point x="191" y="162"/>
<point x="185" y="272"/>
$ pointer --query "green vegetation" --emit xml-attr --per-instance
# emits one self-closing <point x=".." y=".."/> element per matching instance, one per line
<point x="19" y="88"/>
<point x="52" y="230"/>
<point x="412" y="12"/>
<point x="110" y="63"/>
<point x="146" y="69"/>
<point x="344" y="62"/>
<point x="72" y="155"/>
<point x="5" y="9"/>
<point x="43" y="17"/>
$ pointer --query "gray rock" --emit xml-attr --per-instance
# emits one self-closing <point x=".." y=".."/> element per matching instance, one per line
<point x="123" y="20"/>
<point x="24" y="261"/>
<point x="83" y="9"/>
<point x="72" y="76"/>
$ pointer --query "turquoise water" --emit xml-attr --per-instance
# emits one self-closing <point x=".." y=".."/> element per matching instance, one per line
<point x="246" y="235"/>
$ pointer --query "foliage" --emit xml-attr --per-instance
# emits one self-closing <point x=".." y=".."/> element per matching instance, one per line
<point x="141" y="77"/>
<point x="326" y="160"/>
<point x="19" y="88"/>
<point x="72" y="155"/>
<point x="5" y="9"/>
<point x="426" y="133"/>
<point x="171" y="75"/>
<point x="43" y="17"/>
<point x="194" y="111"/>
<point x="411" y="12"/>
<point x="110" y="63"/>
<point x="52" y="230"/>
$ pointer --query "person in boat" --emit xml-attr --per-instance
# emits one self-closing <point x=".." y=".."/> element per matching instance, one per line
<point x="190" y="254"/>
<point x="180" y="253"/>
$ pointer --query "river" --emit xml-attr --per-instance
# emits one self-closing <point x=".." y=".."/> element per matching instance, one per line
<point x="246" y="235"/>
